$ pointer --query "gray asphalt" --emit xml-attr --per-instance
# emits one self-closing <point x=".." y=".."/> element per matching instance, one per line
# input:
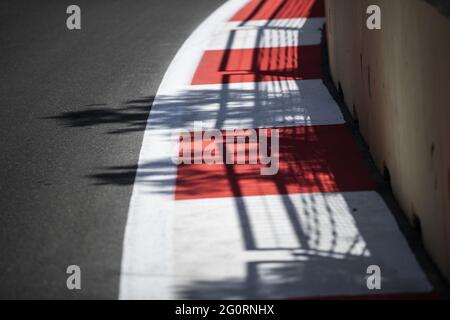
<point x="73" y="106"/>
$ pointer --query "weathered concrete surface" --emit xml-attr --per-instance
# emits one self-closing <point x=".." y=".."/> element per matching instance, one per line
<point x="396" y="83"/>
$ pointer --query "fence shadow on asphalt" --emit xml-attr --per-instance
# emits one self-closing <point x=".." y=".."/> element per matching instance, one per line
<point x="131" y="116"/>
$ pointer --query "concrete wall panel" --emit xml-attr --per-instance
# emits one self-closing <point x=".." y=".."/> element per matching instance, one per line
<point x="396" y="82"/>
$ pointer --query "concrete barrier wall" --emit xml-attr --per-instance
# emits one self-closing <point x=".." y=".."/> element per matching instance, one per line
<point x="396" y="83"/>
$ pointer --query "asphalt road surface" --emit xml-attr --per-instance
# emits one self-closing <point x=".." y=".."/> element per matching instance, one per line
<point x="73" y="107"/>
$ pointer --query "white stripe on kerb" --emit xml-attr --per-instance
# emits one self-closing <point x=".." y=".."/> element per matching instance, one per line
<point x="251" y="105"/>
<point x="268" y="34"/>
<point x="297" y="245"/>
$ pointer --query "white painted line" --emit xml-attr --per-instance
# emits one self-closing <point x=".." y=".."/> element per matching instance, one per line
<point x="146" y="249"/>
<point x="251" y="105"/>
<point x="268" y="34"/>
<point x="299" y="245"/>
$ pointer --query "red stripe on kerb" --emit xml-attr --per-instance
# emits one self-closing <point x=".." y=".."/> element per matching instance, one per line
<point x="280" y="9"/>
<point x="312" y="159"/>
<point x="260" y="64"/>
